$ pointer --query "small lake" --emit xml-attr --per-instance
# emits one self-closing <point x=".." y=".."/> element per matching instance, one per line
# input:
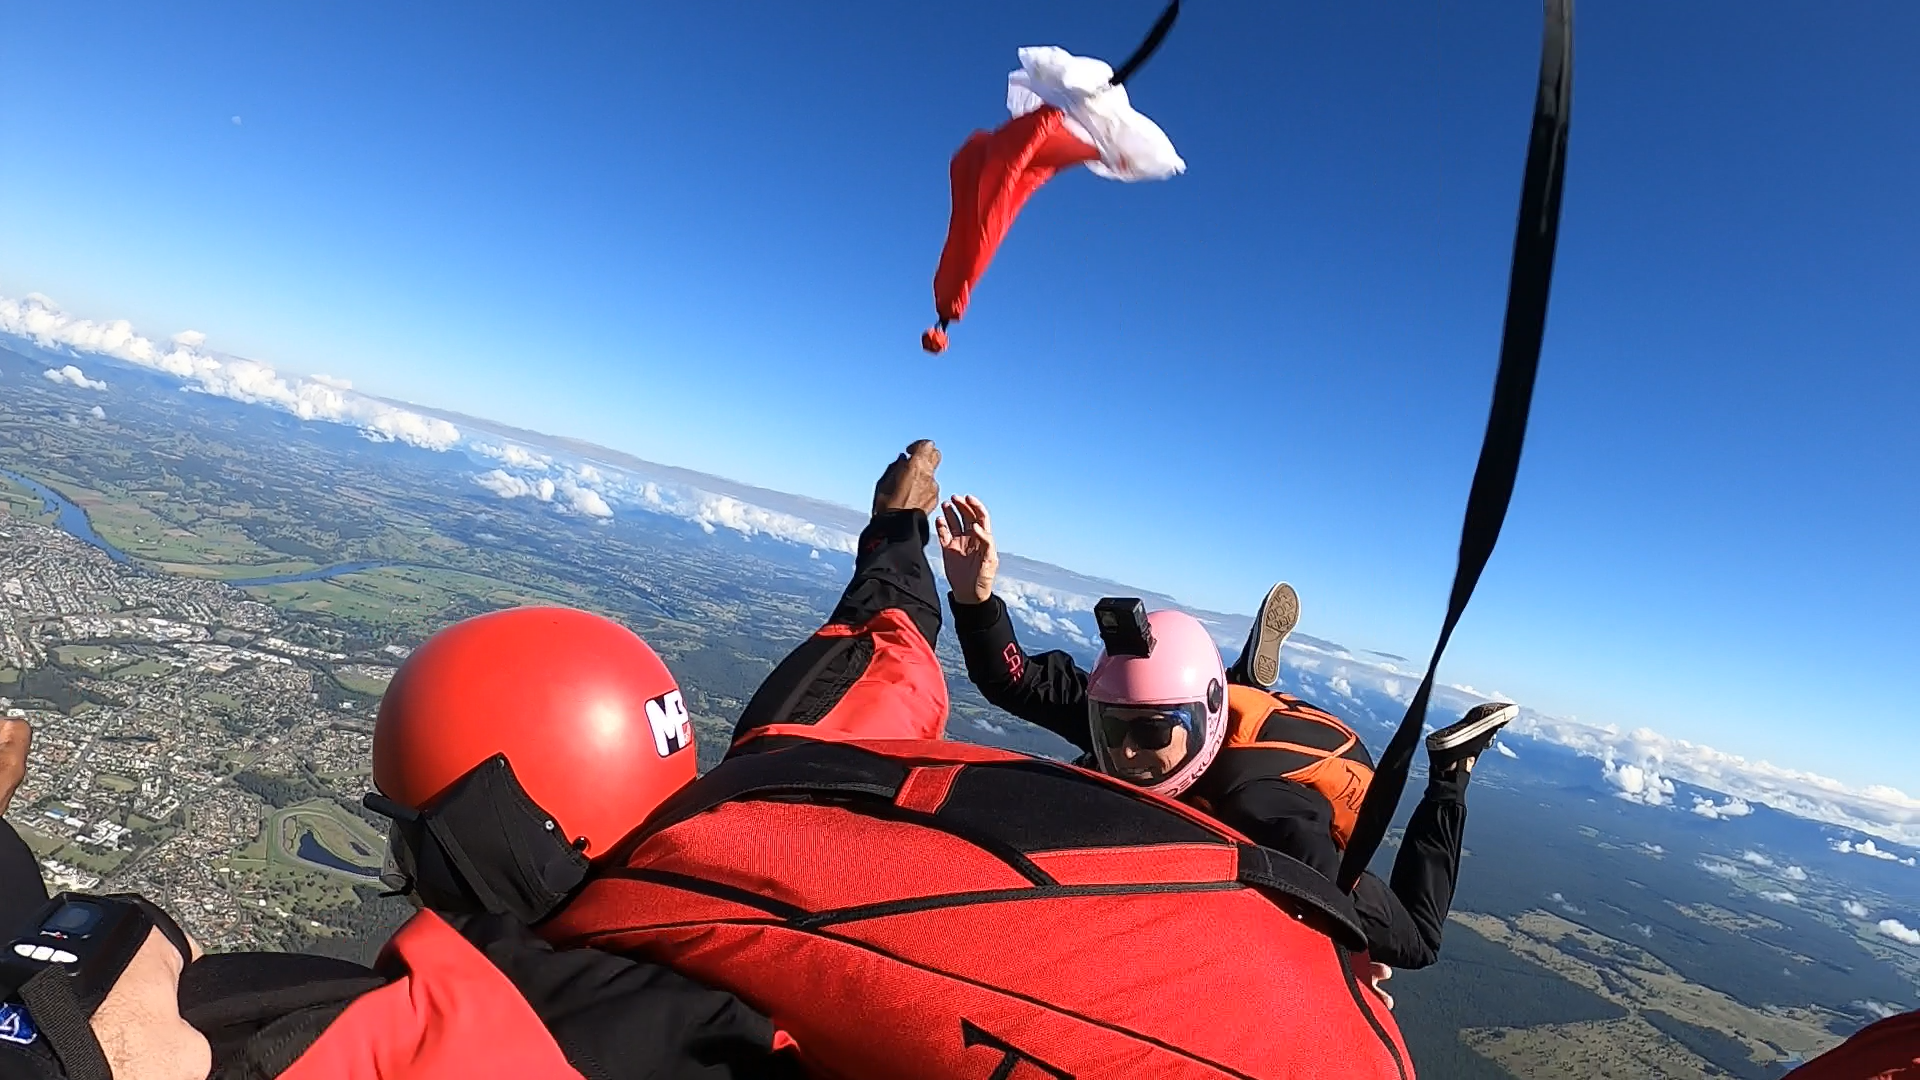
<point x="312" y="851"/>
<point x="74" y="521"/>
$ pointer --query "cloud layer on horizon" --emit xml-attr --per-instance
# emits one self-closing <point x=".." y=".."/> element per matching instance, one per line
<point x="41" y="321"/>
<point x="1642" y="766"/>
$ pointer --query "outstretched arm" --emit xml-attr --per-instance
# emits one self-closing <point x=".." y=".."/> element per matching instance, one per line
<point x="1048" y="689"/>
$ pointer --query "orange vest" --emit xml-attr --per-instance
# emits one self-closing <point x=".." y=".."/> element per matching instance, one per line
<point x="1280" y="736"/>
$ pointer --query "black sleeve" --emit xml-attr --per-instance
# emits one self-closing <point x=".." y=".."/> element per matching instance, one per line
<point x="890" y="570"/>
<point x="1049" y="690"/>
<point x="617" y="1018"/>
<point x="261" y="1011"/>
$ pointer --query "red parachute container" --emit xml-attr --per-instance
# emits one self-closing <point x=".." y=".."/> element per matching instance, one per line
<point x="1067" y="110"/>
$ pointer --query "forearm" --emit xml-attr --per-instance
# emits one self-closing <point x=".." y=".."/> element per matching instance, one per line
<point x="1048" y="689"/>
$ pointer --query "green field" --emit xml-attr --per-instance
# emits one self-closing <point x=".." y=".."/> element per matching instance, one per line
<point x="396" y="595"/>
<point x="17" y="501"/>
<point x="82" y="655"/>
<point x="361" y="685"/>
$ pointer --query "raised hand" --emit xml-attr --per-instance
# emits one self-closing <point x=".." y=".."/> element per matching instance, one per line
<point x="909" y="483"/>
<point x="966" y="548"/>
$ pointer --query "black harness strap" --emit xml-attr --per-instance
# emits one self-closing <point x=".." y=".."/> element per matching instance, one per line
<point x="1493" y="478"/>
<point x="63" y="1020"/>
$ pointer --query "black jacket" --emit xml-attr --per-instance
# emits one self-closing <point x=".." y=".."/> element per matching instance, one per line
<point x="1050" y="690"/>
<point x="612" y="1017"/>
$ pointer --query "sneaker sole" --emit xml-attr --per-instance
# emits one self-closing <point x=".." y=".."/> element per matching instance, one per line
<point x="1493" y="716"/>
<point x="1279" y="614"/>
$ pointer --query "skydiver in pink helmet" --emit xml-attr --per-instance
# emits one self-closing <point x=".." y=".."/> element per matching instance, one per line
<point x="1161" y="710"/>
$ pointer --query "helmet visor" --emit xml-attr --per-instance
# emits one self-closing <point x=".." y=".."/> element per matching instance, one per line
<point x="1145" y="744"/>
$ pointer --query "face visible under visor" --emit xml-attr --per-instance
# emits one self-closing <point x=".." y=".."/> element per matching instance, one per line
<point x="1145" y="744"/>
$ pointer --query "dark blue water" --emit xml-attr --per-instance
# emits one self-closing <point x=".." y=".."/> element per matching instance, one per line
<point x="74" y="520"/>
<point x="313" y="852"/>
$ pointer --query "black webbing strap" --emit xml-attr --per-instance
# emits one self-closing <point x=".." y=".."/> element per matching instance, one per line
<point x="1499" y="463"/>
<point x="62" y="1020"/>
<point x="1148" y="47"/>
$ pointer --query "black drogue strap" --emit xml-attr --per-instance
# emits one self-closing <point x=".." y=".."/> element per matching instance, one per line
<point x="1493" y="478"/>
<point x="1148" y="47"/>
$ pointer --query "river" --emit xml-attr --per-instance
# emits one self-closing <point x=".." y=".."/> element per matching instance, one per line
<point x="74" y="521"/>
<point x="72" y="518"/>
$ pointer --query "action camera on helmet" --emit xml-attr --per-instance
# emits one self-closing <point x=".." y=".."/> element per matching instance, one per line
<point x="1123" y="626"/>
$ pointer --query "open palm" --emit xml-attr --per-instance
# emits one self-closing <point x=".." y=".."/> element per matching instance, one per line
<point x="966" y="548"/>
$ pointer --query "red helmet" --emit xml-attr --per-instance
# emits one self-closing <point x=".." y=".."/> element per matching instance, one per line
<point x="590" y="721"/>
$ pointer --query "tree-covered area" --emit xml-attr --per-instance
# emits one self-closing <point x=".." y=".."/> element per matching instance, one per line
<point x="276" y="791"/>
<point x="1478" y="983"/>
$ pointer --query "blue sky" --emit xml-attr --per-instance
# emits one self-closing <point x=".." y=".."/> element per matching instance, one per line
<point x="705" y="233"/>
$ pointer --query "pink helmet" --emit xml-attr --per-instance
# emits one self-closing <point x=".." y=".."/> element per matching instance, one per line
<point x="1180" y="682"/>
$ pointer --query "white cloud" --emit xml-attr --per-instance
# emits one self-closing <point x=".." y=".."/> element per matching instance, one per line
<point x="1732" y="808"/>
<point x="1566" y="905"/>
<point x="1780" y="897"/>
<point x="1719" y="869"/>
<point x="712" y="512"/>
<point x="584" y="499"/>
<point x="508" y="486"/>
<point x="97" y="413"/>
<point x="1870" y="849"/>
<point x="1502" y="749"/>
<point x="73" y="376"/>
<point x="1854" y="908"/>
<point x="1899" y="931"/>
<point x="1339" y="685"/>
<point x="1638" y="783"/>
<point x="1654" y="849"/>
<point x="1755" y="858"/>
<point x="512" y="454"/>
<point x="41" y="321"/>
<point x="1644" y="930"/>
<point x="1877" y="809"/>
<point x="236" y="121"/>
<point x="1795" y="873"/>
